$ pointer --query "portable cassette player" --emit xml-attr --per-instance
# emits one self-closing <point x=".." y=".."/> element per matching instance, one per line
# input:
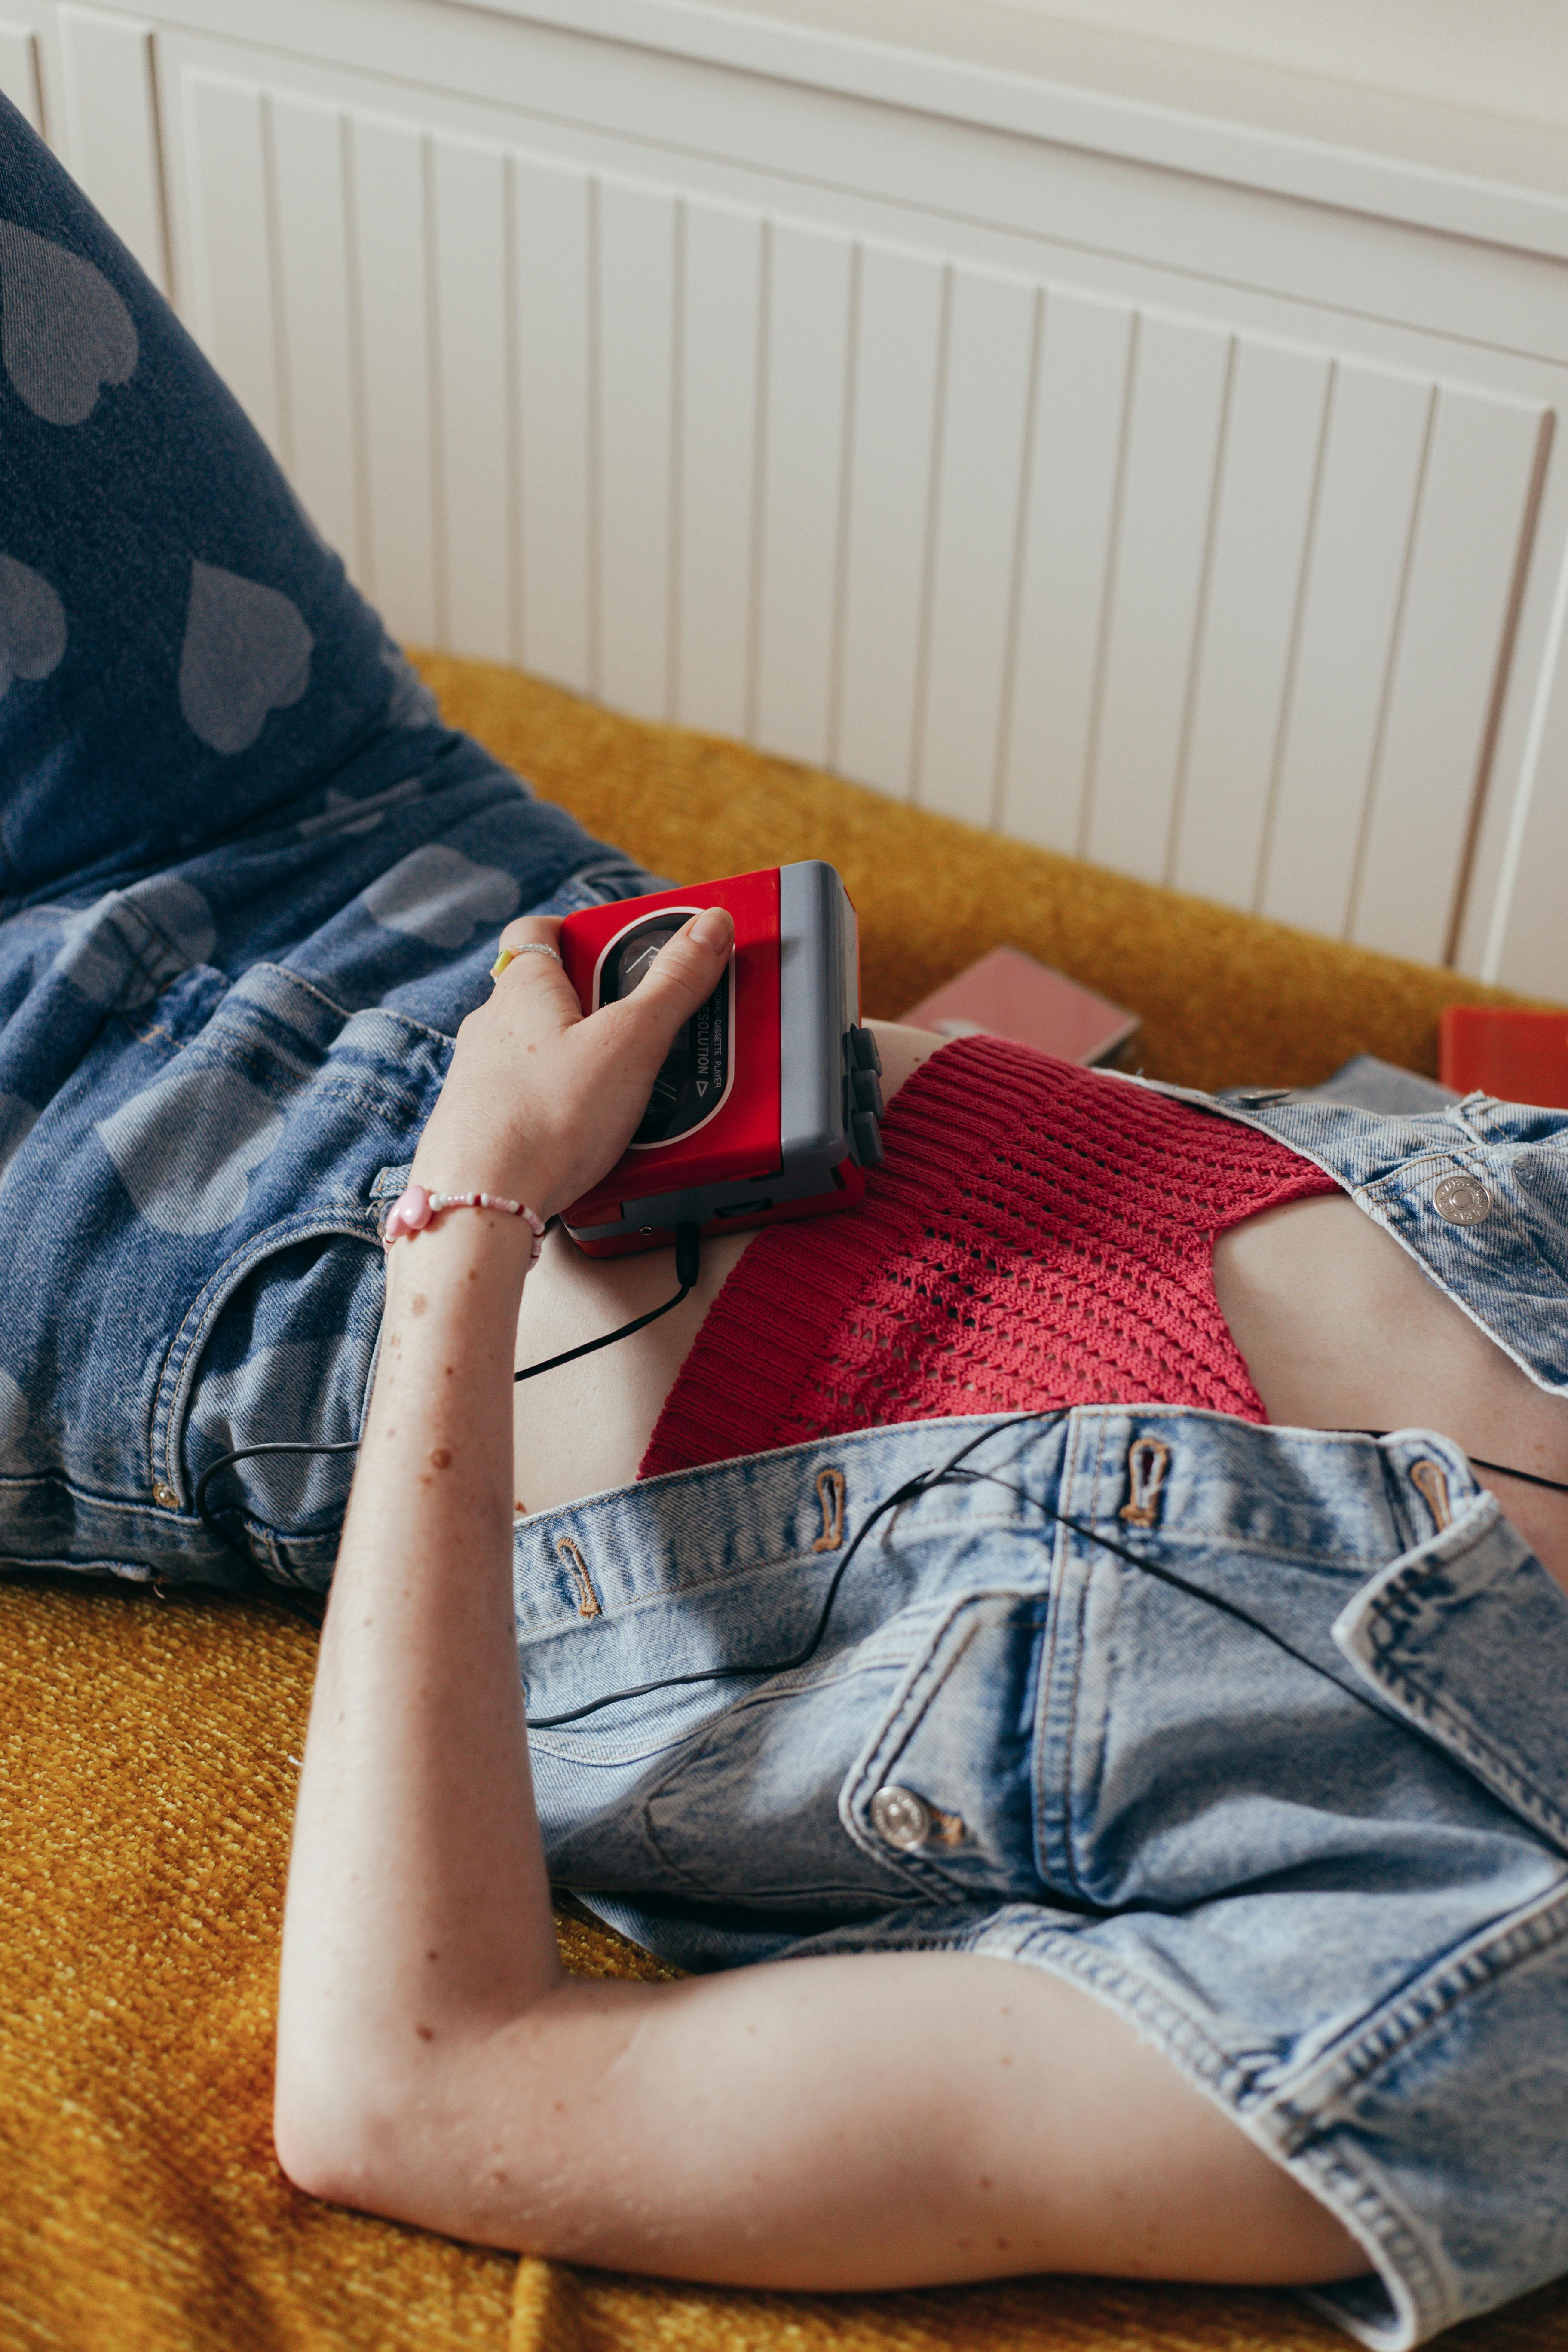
<point x="767" y="1104"/>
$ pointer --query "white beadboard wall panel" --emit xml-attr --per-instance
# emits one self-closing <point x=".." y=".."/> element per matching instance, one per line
<point x="810" y="291"/>
<point x="1273" y="445"/>
<point x="1204" y="569"/>
<point x="1374" y="449"/>
<point x="898" y="375"/>
<point x="721" y="324"/>
<point x="975" y="557"/>
<point x="19" y="71"/>
<point x="110" y="127"/>
<point x="1069" y="530"/>
<point x="636" y="343"/>
<point x="232" y="289"/>
<point x="389" y="175"/>
<point x="1523" y="942"/>
<point x="1479" y="471"/>
<point x="314" y="278"/>
<point x="1180" y="380"/>
<point x="554" y="247"/>
<point x="1525" y="756"/>
<point x="473" y="350"/>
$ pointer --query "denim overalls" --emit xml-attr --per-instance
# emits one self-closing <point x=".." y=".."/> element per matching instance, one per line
<point x="1259" y="1735"/>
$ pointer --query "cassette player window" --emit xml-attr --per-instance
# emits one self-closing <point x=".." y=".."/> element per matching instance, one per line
<point x="695" y="1075"/>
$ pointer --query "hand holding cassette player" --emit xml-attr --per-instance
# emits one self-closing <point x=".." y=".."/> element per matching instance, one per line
<point x="767" y="1105"/>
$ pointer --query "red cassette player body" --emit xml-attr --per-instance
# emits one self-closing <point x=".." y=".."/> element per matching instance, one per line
<point x="767" y="1104"/>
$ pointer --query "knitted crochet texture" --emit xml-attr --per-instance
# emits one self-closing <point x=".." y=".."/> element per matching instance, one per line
<point x="1040" y="1237"/>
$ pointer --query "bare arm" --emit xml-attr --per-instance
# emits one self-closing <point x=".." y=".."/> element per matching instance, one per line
<point x="864" y="2122"/>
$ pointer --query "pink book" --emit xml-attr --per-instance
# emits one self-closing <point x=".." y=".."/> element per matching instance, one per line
<point x="1008" y="994"/>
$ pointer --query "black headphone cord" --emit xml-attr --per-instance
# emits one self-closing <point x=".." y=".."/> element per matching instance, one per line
<point x="688" y="1262"/>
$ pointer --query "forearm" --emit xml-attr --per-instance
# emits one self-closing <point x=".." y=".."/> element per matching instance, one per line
<point x="419" y="1906"/>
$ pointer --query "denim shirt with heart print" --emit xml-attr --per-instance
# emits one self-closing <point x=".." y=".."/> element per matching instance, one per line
<point x="1259" y="1735"/>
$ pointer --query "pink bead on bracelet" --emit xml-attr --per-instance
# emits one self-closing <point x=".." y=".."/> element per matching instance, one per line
<point x="412" y="1211"/>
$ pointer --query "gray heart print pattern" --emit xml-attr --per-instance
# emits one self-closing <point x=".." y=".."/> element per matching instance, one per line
<point x="63" y="331"/>
<point x="438" y="895"/>
<point x="32" y="625"/>
<point x="247" y="654"/>
<point x="185" y="1146"/>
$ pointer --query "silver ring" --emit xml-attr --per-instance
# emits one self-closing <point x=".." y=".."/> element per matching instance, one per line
<point x="529" y="947"/>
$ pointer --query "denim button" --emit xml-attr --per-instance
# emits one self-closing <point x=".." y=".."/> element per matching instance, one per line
<point x="901" y="1817"/>
<point x="165" y="1498"/>
<point x="1462" y="1200"/>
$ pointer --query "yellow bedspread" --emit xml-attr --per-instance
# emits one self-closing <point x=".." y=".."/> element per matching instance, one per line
<point x="147" y="1745"/>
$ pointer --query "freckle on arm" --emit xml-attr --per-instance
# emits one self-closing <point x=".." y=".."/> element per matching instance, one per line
<point x="419" y="1303"/>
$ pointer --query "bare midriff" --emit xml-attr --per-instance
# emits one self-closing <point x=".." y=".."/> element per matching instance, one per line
<point x="1339" y="1327"/>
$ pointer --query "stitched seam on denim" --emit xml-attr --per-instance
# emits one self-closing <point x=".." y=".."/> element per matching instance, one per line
<point x="1070" y="1733"/>
<point x="344" y="1013"/>
<point x="1473" y="1745"/>
<point x="1392" y="2031"/>
<point x="126" y="1571"/>
<point x="711" y="1733"/>
<point x="169" y="1399"/>
<point x="321" y="1080"/>
<point x="1060" y="1539"/>
<point x="847" y="1670"/>
<point x="906" y="1711"/>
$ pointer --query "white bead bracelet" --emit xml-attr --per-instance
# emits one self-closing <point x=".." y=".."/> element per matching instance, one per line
<point x="412" y="1211"/>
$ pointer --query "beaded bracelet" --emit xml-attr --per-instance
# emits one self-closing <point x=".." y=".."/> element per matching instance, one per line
<point x="412" y="1211"/>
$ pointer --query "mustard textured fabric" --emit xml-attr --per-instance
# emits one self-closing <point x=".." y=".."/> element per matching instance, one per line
<point x="148" y="1744"/>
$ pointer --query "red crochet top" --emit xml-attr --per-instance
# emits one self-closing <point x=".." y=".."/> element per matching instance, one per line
<point x="1040" y="1235"/>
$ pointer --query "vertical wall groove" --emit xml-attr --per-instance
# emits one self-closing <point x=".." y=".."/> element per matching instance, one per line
<point x="845" y="503"/>
<point x="1363" y="833"/>
<point x="1466" y="870"/>
<point x="1200" y="620"/>
<point x="759" y="483"/>
<point x="674" y="591"/>
<point x="1108" y="597"/>
<point x="440" y="541"/>
<point x="284" y="393"/>
<point x="596" y="515"/>
<point x="515" y="427"/>
<point x="1293" y="652"/>
<point x="360" y="423"/>
<point x="1015" y="576"/>
<point x="928" y="560"/>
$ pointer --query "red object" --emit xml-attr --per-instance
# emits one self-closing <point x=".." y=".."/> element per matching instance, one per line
<point x="1009" y="995"/>
<point x="1517" y="1057"/>
<point x="1040" y="1235"/>
<point x="742" y="1135"/>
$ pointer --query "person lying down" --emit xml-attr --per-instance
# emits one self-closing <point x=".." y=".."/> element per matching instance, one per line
<point x="1069" y="1657"/>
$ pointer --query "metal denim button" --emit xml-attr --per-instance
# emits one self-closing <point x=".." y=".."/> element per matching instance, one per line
<point x="901" y="1817"/>
<point x="165" y="1498"/>
<point x="1462" y="1200"/>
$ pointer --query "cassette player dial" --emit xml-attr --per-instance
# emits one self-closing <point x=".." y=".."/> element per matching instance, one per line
<point x="695" y="1076"/>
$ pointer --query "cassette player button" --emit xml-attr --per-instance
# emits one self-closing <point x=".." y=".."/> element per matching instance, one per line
<point x="863" y="1051"/>
<point x="868" y="1139"/>
<point x="866" y="1091"/>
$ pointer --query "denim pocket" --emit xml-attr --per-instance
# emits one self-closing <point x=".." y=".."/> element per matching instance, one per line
<point x="253" y="1160"/>
<point x="891" y="1779"/>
